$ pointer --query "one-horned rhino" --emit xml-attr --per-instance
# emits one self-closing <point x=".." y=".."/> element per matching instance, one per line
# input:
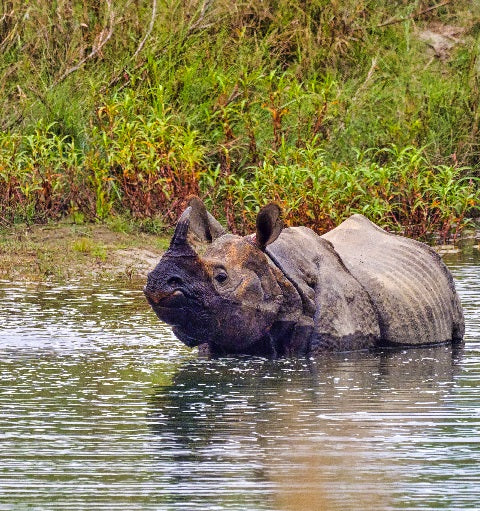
<point x="288" y="291"/>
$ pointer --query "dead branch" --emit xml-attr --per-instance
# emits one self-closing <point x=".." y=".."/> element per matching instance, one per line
<point x="201" y="17"/>
<point x="413" y="15"/>
<point x="105" y="35"/>
<point x="149" y="31"/>
<point x="367" y="79"/>
<point x="9" y="37"/>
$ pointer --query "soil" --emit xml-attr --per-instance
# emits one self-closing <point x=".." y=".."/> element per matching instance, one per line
<point x="65" y="252"/>
<point x="441" y="39"/>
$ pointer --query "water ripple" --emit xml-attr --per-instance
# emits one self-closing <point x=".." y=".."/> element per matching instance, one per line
<point x="101" y="408"/>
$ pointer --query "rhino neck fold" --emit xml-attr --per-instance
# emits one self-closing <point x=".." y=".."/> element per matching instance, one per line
<point x="296" y="300"/>
<point x="336" y="311"/>
<point x="291" y="333"/>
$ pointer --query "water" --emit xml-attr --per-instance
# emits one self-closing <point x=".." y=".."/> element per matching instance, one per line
<point x="101" y="408"/>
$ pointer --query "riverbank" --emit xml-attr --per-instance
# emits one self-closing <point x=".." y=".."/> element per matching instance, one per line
<point x="65" y="251"/>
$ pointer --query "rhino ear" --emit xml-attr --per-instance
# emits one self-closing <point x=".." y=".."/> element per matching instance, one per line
<point x="269" y="225"/>
<point x="197" y="221"/>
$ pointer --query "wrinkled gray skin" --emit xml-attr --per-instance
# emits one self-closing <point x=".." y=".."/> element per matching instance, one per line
<point x="284" y="292"/>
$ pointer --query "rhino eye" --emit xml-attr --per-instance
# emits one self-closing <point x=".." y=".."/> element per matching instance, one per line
<point x="221" y="276"/>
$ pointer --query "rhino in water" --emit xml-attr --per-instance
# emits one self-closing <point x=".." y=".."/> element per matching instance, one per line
<point x="288" y="291"/>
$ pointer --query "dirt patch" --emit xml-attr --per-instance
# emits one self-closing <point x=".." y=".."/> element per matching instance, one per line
<point x="65" y="252"/>
<point x="441" y="39"/>
<point x="135" y="261"/>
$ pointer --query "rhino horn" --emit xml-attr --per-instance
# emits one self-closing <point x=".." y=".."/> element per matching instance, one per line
<point x="179" y="237"/>
<point x="269" y="225"/>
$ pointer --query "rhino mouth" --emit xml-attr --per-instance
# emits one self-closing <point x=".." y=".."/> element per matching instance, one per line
<point x="173" y="309"/>
<point x="170" y="300"/>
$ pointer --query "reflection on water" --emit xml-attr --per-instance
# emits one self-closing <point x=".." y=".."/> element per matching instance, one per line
<point x="324" y="434"/>
<point x="102" y="408"/>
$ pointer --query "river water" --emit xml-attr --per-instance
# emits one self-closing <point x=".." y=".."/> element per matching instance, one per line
<point x="101" y="408"/>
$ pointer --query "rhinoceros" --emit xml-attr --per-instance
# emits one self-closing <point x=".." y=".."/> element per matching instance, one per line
<point x="290" y="292"/>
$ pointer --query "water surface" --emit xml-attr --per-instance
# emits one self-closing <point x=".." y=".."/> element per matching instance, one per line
<point x="101" y="408"/>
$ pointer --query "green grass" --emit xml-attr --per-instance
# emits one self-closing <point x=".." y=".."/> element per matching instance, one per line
<point x="328" y="108"/>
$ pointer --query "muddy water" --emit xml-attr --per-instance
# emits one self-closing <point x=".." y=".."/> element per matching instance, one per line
<point x="100" y="408"/>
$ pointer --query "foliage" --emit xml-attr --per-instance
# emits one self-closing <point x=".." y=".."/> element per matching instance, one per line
<point x="126" y="108"/>
<point x="407" y="194"/>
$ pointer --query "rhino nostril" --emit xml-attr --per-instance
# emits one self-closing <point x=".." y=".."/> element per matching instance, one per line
<point x="174" y="282"/>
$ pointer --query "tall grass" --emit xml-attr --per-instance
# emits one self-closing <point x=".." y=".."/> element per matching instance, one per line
<point x="125" y="107"/>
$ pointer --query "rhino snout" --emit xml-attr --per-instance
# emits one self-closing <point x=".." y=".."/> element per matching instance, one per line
<point x="154" y="297"/>
<point x="167" y="298"/>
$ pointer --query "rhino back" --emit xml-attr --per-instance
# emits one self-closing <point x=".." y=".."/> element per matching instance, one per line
<point x="408" y="282"/>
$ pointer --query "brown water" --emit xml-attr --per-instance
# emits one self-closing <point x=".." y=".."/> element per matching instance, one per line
<point x="101" y="408"/>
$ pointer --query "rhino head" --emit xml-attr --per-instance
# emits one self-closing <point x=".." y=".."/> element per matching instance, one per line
<point x="225" y="294"/>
